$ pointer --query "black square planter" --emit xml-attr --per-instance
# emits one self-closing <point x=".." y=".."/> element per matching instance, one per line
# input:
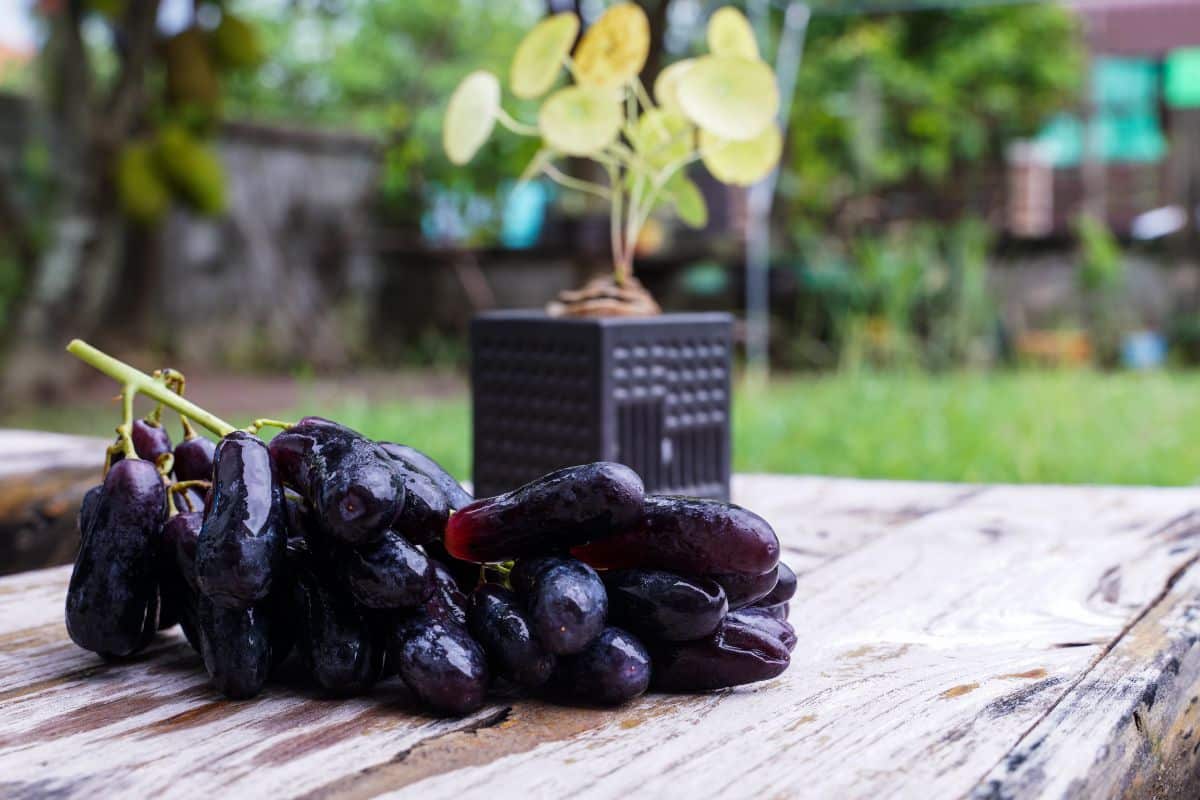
<point x="649" y="392"/>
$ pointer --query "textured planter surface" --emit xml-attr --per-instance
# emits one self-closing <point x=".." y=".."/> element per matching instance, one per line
<point x="652" y="393"/>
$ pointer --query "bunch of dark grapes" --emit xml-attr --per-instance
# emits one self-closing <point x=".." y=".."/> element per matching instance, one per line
<point x="358" y="561"/>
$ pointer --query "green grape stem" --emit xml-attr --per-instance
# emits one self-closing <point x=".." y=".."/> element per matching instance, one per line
<point x="135" y="381"/>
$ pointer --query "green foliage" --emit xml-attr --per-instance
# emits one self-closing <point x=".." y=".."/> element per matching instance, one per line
<point x="1102" y="278"/>
<point x="887" y="100"/>
<point x="192" y="169"/>
<point x="143" y="192"/>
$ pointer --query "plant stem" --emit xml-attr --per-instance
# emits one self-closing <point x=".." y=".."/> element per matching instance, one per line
<point x="514" y="125"/>
<point x="614" y="221"/>
<point x="135" y="380"/>
<point x="571" y="182"/>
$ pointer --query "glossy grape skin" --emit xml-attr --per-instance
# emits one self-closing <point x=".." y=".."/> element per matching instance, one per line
<point x="348" y="480"/>
<point x="150" y="439"/>
<point x="736" y="654"/>
<point x="194" y="459"/>
<point x="778" y="611"/>
<point x="422" y="518"/>
<point x="235" y="644"/>
<point x="497" y="622"/>
<point x="87" y="508"/>
<point x="744" y="590"/>
<point x="568" y="605"/>
<point x="766" y="622"/>
<point x="612" y="669"/>
<point x="440" y="663"/>
<point x="567" y="507"/>
<point x="689" y="536"/>
<point x="447" y="600"/>
<point x="177" y="572"/>
<point x="663" y="605"/>
<point x="388" y="573"/>
<point x="466" y="574"/>
<point x="456" y="496"/>
<point x="112" y="599"/>
<point x="334" y="638"/>
<point x="785" y="587"/>
<point x="242" y="541"/>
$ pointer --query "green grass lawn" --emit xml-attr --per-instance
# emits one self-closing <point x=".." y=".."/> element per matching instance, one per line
<point x="1039" y="427"/>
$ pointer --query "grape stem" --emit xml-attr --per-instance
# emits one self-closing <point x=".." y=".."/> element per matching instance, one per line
<point x="135" y="381"/>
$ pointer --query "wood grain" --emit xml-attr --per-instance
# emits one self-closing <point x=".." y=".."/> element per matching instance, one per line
<point x="955" y="641"/>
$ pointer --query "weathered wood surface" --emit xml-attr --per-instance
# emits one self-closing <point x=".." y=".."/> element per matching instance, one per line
<point x="43" y="477"/>
<point x="990" y="642"/>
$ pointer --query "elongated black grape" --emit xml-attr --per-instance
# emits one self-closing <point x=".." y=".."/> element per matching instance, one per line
<point x="334" y="638"/>
<point x="447" y="600"/>
<point x="778" y="611"/>
<point x="497" y="621"/>
<point x="663" y="605"/>
<point x="466" y="573"/>
<point x="567" y="507"/>
<point x="440" y="662"/>
<point x="177" y="572"/>
<point x="743" y="590"/>
<point x="765" y="621"/>
<point x="350" y="482"/>
<point x="689" y="536"/>
<point x="737" y="653"/>
<point x="235" y="644"/>
<point x="568" y="605"/>
<point x="150" y="439"/>
<point x="112" y="599"/>
<point x="785" y="587"/>
<point x="241" y="544"/>
<point x="455" y="494"/>
<point x="194" y="459"/>
<point x="422" y="518"/>
<point x="390" y="572"/>
<point x="613" y="668"/>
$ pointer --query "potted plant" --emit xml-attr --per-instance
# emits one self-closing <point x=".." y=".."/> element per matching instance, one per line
<point x="602" y="373"/>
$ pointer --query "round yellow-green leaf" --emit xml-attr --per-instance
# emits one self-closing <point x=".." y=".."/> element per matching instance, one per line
<point x="141" y="189"/>
<point x="730" y="34"/>
<point x="614" y="49"/>
<point x="689" y="201"/>
<point x="540" y="55"/>
<point x="741" y="163"/>
<point x="470" y="116"/>
<point x="662" y="137"/>
<point x="580" y="120"/>
<point x="666" y="85"/>
<point x="733" y="98"/>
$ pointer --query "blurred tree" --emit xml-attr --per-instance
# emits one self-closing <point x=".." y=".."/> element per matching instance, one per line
<point x="928" y="98"/>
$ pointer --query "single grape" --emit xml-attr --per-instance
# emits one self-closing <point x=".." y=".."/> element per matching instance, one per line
<point x="764" y="620"/>
<point x="347" y="479"/>
<point x="689" y="536"/>
<point x="466" y="573"/>
<point x="778" y="611"/>
<point x="663" y="605"/>
<point x="440" y="662"/>
<point x="334" y="638"/>
<point x="497" y="621"/>
<point x="565" y="508"/>
<point x="241" y="544"/>
<point x="455" y="494"/>
<point x="785" y="587"/>
<point x="150" y="439"/>
<point x="743" y="590"/>
<point x="737" y="653"/>
<point x="390" y="572"/>
<point x="235" y="644"/>
<point x="422" y="518"/>
<point x="194" y="459"/>
<point x="568" y="606"/>
<point x="112" y="599"/>
<point x="612" y="669"/>
<point x="447" y="600"/>
<point x="177" y="572"/>
<point x="87" y="509"/>
<point x="527" y="570"/>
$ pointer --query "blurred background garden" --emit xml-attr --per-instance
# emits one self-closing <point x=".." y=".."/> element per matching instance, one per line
<point x="983" y="259"/>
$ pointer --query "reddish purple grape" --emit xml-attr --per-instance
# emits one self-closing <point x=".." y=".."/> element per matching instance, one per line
<point x="665" y="606"/>
<point x="549" y="515"/>
<point x="447" y="600"/>
<point x="241" y="545"/>
<point x="568" y="605"/>
<point x="785" y="587"/>
<point x="764" y="620"/>
<point x="440" y="662"/>
<point x="497" y="621"/>
<point x="348" y="480"/>
<point x="737" y="653"/>
<point x="112" y="599"/>
<point x="689" y="536"/>
<point x="194" y="459"/>
<point x="150" y="439"/>
<point x="611" y="670"/>
<point x="743" y="590"/>
<point x="390" y="572"/>
<point x="422" y="518"/>
<point x="455" y="494"/>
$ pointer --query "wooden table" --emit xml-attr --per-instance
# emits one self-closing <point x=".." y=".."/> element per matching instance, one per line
<point x="990" y="642"/>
